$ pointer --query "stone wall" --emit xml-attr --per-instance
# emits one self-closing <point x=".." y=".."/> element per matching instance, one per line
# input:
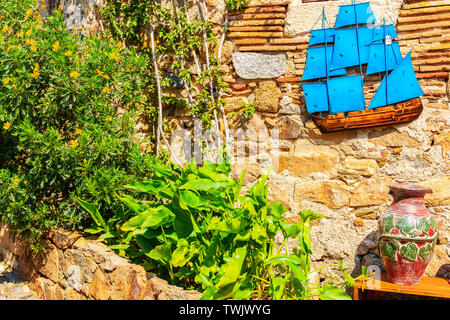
<point x="75" y="268"/>
<point x="344" y="175"/>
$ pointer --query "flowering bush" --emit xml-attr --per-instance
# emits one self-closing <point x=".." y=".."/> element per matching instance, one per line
<point x="67" y="105"/>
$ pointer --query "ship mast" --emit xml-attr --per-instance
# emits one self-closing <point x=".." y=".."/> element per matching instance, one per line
<point x="386" y="59"/>
<point x="359" y="55"/>
<point x="326" y="51"/>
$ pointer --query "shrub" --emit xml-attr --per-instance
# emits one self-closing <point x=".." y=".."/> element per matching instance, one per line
<point x="195" y="226"/>
<point x="67" y="110"/>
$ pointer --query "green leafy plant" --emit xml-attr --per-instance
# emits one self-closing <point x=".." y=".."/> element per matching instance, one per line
<point x="195" y="226"/>
<point x="68" y="106"/>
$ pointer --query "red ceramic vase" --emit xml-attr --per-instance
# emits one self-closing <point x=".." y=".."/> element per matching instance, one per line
<point x="406" y="235"/>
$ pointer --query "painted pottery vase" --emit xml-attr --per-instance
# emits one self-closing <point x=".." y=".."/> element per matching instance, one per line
<point x="406" y="235"/>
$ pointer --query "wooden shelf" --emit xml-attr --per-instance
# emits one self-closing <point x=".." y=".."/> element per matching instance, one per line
<point x="428" y="286"/>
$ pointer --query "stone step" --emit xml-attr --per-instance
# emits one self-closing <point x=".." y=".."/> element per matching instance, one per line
<point x="12" y="286"/>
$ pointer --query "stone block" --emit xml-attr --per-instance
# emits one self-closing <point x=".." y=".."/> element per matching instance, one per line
<point x="251" y="65"/>
<point x="334" y="194"/>
<point x="307" y="158"/>
<point x="371" y="192"/>
<point x="267" y="96"/>
<point x="363" y="167"/>
<point x="441" y="191"/>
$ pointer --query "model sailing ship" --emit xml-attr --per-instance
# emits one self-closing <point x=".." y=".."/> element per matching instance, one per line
<point x="334" y="97"/>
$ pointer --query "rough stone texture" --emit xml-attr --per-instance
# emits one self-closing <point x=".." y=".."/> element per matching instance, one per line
<point x="301" y="16"/>
<point x="267" y="96"/>
<point x="333" y="194"/>
<point x="363" y="167"/>
<point x="441" y="191"/>
<point x="307" y="158"/>
<point x="253" y="65"/>
<point x="371" y="192"/>
<point x="85" y="269"/>
<point x="343" y="175"/>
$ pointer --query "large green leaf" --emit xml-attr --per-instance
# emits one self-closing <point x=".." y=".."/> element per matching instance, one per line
<point x="158" y="217"/>
<point x="182" y="222"/>
<point x="238" y="187"/>
<point x="293" y="262"/>
<point x="311" y="215"/>
<point x="291" y="229"/>
<point x="277" y="286"/>
<point x="304" y="237"/>
<point x="150" y="218"/>
<point x="232" y="269"/>
<point x="214" y="176"/>
<point x="192" y="200"/>
<point x="152" y="187"/>
<point x="184" y="252"/>
<point x="93" y="212"/>
<point x="135" y="205"/>
<point x="204" y="185"/>
<point x="232" y="225"/>
<point x="330" y="292"/>
<point x="162" y="253"/>
<point x="277" y="209"/>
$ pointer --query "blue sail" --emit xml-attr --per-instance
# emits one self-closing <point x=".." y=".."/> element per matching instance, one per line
<point x="346" y="53"/>
<point x="318" y="36"/>
<point x="316" y="96"/>
<point x="347" y="17"/>
<point x="345" y="94"/>
<point x="316" y="66"/>
<point x="400" y="85"/>
<point x="378" y="33"/>
<point x="377" y="57"/>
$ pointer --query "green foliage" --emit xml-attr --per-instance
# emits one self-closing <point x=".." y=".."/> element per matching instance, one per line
<point x="181" y="42"/>
<point x="61" y="132"/>
<point x="236" y="4"/>
<point x="195" y="226"/>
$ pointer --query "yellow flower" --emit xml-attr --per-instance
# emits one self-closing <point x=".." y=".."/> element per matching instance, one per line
<point x="7" y="125"/>
<point x="28" y="33"/>
<point x="119" y="45"/>
<point x="15" y="181"/>
<point x="33" y="49"/>
<point x="74" y="74"/>
<point x="10" y="48"/>
<point x="6" y="80"/>
<point x="68" y="53"/>
<point x="114" y="56"/>
<point x="19" y="34"/>
<point x="73" y="143"/>
<point x="84" y="160"/>
<point x="35" y="73"/>
<point x="56" y="46"/>
<point x="31" y="42"/>
<point x="36" y="67"/>
<point x="60" y="7"/>
<point x="28" y="13"/>
<point x="5" y="29"/>
<point x="105" y="76"/>
<point x="43" y="7"/>
<point x="108" y="118"/>
<point x="105" y="89"/>
<point x="78" y="131"/>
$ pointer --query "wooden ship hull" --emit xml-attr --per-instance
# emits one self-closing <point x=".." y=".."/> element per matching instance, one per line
<point x="389" y="115"/>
